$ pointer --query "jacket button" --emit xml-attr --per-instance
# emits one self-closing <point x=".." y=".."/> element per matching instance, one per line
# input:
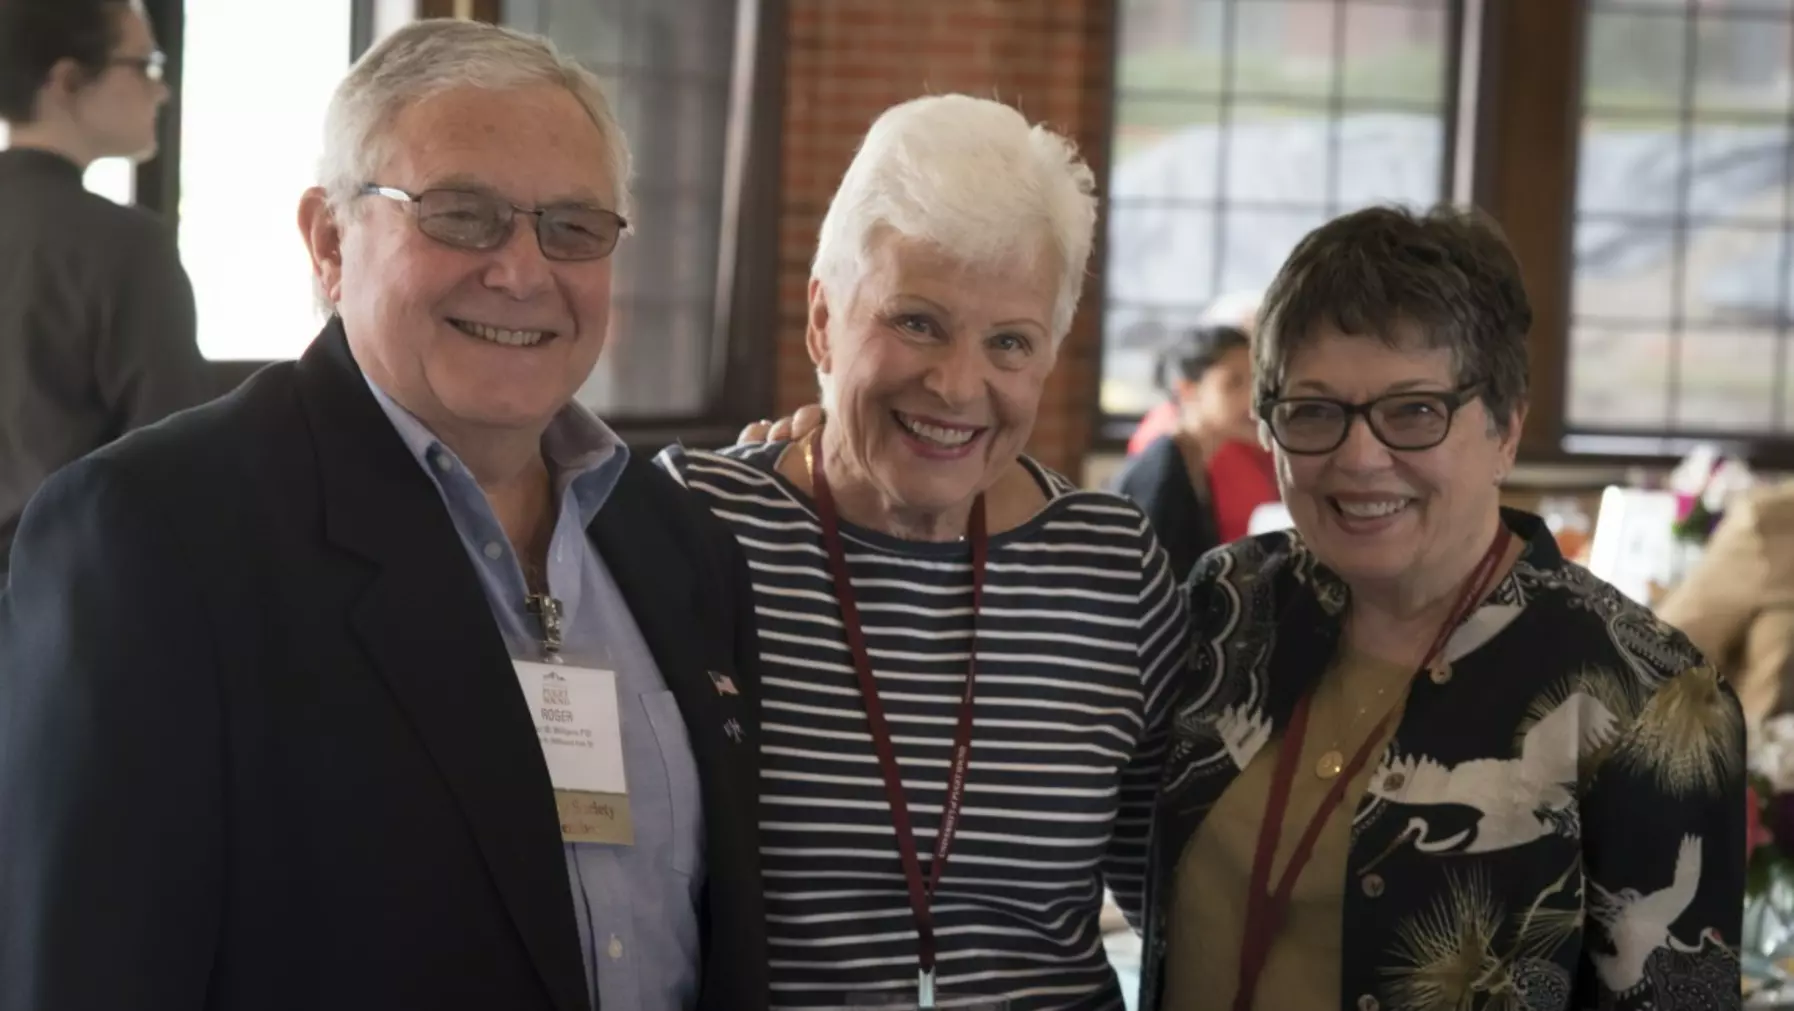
<point x="1368" y="1003"/>
<point x="1372" y="885"/>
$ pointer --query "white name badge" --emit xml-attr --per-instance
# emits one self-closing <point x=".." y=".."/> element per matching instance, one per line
<point x="581" y="732"/>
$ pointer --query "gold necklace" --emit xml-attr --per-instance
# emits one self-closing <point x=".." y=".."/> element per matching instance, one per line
<point x="1332" y="763"/>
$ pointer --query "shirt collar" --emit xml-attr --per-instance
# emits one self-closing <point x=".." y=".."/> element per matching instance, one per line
<point x="585" y="456"/>
<point x="38" y="161"/>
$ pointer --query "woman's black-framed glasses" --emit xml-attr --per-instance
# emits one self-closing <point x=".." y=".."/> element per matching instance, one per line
<point x="469" y="219"/>
<point x="1311" y="426"/>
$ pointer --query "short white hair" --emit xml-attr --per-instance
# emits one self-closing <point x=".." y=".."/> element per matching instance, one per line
<point x="426" y="57"/>
<point x="971" y="177"/>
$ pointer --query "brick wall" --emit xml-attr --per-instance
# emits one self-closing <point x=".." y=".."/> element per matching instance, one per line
<point x="849" y="60"/>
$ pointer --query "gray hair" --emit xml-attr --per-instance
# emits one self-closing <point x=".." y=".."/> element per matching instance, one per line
<point x="972" y="177"/>
<point x="427" y="57"/>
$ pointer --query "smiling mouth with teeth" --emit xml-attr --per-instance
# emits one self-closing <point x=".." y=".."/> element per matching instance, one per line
<point x="939" y="435"/>
<point x="1361" y="510"/>
<point x="500" y="335"/>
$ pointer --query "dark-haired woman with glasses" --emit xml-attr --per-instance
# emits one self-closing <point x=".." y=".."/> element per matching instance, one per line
<point x="1200" y="484"/>
<point x="1409" y="716"/>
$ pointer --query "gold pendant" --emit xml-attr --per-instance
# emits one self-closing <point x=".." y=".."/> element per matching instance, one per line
<point x="1330" y="765"/>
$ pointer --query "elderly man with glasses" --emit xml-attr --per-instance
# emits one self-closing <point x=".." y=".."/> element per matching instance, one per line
<point x="393" y="680"/>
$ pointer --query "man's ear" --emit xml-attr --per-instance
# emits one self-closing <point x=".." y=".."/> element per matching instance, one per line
<point x="324" y="240"/>
<point x="64" y="81"/>
<point x="816" y="332"/>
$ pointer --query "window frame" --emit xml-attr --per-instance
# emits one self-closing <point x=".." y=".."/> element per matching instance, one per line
<point x="1524" y="134"/>
<point x="743" y="368"/>
<point x="1555" y="438"/>
<point x="1528" y="131"/>
<point x="1515" y="128"/>
<point x="1110" y="432"/>
<point x="158" y="180"/>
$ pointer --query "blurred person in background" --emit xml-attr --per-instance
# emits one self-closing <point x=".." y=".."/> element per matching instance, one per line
<point x="97" y="332"/>
<point x="1238" y="310"/>
<point x="1200" y="484"/>
<point x="965" y="656"/>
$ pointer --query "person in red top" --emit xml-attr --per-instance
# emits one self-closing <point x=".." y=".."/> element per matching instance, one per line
<point x="1154" y="425"/>
<point x="1241" y="477"/>
<point x="1200" y="483"/>
<point x="1238" y="310"/>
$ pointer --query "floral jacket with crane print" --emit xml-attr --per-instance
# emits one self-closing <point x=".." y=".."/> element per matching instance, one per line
<point x="1559" y="824"/>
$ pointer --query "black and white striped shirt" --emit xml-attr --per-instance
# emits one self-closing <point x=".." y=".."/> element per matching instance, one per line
<point x="1082" y="634"/>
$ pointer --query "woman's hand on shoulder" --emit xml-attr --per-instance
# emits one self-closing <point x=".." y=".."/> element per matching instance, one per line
<point x="792" y="427"/>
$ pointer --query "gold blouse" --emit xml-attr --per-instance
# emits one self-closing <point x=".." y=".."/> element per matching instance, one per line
<point x="1208" y="916"/>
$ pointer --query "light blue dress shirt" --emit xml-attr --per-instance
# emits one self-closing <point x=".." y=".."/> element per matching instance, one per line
<point x="637" y="905"/>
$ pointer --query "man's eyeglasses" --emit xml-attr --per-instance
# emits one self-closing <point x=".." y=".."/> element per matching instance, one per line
<point x="151" y="66"/>
<point x="468" y="219"/>
<point x="1311" y="426"/>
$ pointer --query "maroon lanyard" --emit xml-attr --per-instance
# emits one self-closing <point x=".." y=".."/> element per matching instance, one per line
<point x="1266" y="910"/>
<point x="921" y="890"/>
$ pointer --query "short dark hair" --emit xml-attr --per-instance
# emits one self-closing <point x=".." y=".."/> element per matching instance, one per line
<point x="1195" y="351"/>
<point x="1448" y="272"/>
<point x="35" y="35"/>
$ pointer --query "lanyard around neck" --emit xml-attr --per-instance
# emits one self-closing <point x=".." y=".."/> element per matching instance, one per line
<point x="921" y="889"/>
<point x="1266" y="908"/>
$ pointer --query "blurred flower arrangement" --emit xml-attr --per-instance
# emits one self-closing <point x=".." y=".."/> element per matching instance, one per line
<point x="1769" y="813"/>
<point x="1704" y="483"/>
<point x="1768" y="948"/>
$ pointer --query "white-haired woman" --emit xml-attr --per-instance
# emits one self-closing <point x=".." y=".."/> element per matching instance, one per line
<point x="965" y="659"/>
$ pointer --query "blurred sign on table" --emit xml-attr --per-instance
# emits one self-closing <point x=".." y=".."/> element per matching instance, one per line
<point x="1634" y="545"/>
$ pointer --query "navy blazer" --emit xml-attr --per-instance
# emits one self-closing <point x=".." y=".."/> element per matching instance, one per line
<point x="261" y="745"/>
